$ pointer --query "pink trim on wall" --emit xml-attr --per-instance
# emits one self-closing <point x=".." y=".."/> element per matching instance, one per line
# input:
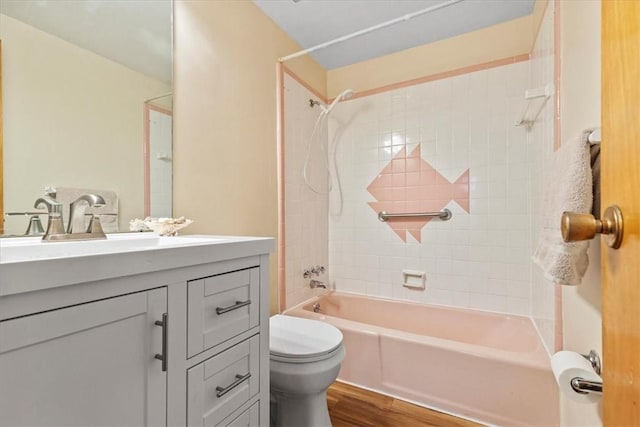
<point x="558" y="334"/>
<point x="280" y="70"/>
<point x="146" y="160"/>
<point x="159" y="109"/>
<point x="303" y="83"/>
<point x="557" y="141"/>
<point x="146" y="153"/>
<point x="439" y="76"/>
<point x="557" y="134"/>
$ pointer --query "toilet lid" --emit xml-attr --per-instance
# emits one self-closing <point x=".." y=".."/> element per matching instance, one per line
<point x="295" y="337"/>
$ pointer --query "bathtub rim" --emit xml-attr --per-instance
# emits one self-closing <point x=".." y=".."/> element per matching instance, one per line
<point x="538" y="358"/>
<point x="403" y="301"/>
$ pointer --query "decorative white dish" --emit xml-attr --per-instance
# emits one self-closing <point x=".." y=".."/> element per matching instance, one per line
<point x="162" y="226"/>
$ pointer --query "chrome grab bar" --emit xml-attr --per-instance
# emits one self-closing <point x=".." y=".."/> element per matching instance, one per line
<point x="444" y="215"/>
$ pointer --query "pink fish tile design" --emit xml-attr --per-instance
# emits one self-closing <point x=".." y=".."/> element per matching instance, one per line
<point x="409" y="184"/>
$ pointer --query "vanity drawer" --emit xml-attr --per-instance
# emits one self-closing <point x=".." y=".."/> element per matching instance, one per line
<point x="221" y="307"/>
<point x="250" y="417"/>
<point x="221" y="384"/>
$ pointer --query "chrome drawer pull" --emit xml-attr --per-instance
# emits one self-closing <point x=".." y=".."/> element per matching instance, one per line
<point x="221" y="391"/>
<point x="237" y="305"/>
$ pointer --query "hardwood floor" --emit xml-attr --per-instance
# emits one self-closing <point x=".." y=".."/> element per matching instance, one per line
<point x="350" y="406"/>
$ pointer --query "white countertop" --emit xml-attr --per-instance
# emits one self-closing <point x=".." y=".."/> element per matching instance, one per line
<point x="29" y="264"/>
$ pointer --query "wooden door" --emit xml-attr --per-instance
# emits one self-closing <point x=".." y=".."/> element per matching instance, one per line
<point x="621" y="186"/>
<point x="86" y="365"/>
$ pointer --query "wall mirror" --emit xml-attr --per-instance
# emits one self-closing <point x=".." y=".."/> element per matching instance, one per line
<point x="86" y="104"/>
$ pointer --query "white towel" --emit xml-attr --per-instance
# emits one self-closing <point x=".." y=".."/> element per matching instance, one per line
<point x="568" y="188"/>
<point x="108" y="213"/>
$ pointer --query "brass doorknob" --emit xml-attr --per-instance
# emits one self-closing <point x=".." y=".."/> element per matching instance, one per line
<point x="577" y="226"/>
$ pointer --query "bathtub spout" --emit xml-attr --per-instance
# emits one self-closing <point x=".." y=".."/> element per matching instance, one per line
<point x="317" y="284"/>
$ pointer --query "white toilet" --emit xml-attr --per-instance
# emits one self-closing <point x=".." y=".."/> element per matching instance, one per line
<point x="305" y="360"/>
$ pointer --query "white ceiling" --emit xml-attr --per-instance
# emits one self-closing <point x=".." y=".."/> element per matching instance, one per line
<point x="134" y="33"/>
<point x="311" y="22"/>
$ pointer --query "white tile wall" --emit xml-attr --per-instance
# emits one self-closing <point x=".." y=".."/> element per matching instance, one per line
<point x="479" y="259"/>
<point x="541" y="141"/>
<point x="306" y="224"/>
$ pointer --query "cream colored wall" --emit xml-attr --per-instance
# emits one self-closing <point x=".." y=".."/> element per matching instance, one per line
<point x="580" y="108"/>
<point x="71" y="118"/>
<point x="225" y="176"/>
<point x="511" y="38"/>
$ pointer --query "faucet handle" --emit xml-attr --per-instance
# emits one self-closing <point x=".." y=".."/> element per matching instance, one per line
<point x="50" y="191"/>
<point x="95" y="228"/>
<point x="35" y="227"/>
<point x="313" y="271"/>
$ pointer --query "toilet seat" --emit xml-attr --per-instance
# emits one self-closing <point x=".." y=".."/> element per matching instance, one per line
<point x="299" y="340"/>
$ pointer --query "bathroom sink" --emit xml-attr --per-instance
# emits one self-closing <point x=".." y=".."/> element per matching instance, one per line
<point x="34" y="248"/>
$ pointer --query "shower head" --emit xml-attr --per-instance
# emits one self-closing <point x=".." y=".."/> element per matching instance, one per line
<point x="346" y="94"/>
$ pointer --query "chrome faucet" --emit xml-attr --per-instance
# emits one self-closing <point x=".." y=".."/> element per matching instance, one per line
<point x="55" y="227"/>
<point x="76" y="212"/>
<point x="313" y="284"/>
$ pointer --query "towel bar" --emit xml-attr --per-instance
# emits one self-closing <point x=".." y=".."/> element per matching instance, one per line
<point x="444" y="215"/>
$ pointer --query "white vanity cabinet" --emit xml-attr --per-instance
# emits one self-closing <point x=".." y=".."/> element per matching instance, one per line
<point x="182" y="342"/>
<point x="89" y="364"/>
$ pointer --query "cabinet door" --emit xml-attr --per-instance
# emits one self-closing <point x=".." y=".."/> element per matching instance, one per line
<point x="90" y="364"/>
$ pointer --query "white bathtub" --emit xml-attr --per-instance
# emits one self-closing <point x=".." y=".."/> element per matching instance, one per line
<point x="478" y="365"/>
